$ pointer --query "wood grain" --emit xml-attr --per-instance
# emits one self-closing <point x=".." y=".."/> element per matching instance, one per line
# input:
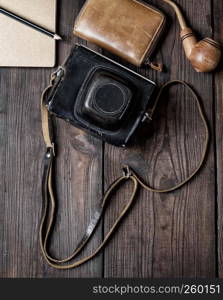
<point x="172" y="235"/>
<point x="218" y="95"/>
<point x="78" y="169"/>
<point x="21" y="151"/>
<point x="79" y="177"/>
<point x="169" y="235"/>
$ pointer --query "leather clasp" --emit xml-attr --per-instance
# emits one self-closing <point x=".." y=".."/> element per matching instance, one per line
<point x="155" y="66"/>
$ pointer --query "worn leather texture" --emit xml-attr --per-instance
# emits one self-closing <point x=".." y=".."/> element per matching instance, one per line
<point x="81" y="69"/>
<point x="127" y="28"/>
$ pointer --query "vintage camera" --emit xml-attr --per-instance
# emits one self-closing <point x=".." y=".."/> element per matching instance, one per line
<point x="99" y="95"/>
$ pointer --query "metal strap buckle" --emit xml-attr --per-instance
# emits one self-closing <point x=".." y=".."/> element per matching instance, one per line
<point x="58" y="73"/>
<point x="147" y="117"/>
<point x="126" y="171"/>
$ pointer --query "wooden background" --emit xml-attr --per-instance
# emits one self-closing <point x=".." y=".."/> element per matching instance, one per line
<point x="174" y="235"/>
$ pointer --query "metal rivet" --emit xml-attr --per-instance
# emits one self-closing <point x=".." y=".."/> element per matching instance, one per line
<point x="126" y="172"/>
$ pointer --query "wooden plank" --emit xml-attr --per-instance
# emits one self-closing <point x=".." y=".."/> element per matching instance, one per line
<point x="21" y="151"/>
<point x="218" y="25"/>
<point x="169" y="235"/>
<point x="164" y="236"/>
<point x="78" y="172"/>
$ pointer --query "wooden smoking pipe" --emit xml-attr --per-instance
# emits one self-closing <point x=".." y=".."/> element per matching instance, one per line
<point x="204" y="55"/>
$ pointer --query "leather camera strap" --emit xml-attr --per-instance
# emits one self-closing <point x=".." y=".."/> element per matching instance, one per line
<point x="47" y="221"/>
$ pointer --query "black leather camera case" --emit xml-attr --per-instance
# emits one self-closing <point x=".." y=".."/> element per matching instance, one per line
<point x="100" y="96"/>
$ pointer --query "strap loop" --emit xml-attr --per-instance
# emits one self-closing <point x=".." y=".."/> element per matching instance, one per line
<point x="47" y="194"/>
<point x="206" y="142"/>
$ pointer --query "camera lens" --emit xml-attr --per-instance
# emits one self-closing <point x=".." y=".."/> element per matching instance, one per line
<point x="103" y="95"/>
<point x="105" y="100"/>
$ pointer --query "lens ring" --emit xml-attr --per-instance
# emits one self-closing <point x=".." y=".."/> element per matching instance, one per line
<point x="108" y="91"/>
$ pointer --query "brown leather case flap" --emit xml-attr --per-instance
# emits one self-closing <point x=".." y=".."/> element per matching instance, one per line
<point x="127" y="28"/>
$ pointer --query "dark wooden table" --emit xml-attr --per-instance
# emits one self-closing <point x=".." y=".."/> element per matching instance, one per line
<point x="173" y="235"/>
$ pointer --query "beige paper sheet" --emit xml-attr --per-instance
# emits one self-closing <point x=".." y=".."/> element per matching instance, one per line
<point x="22" y="46"/>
